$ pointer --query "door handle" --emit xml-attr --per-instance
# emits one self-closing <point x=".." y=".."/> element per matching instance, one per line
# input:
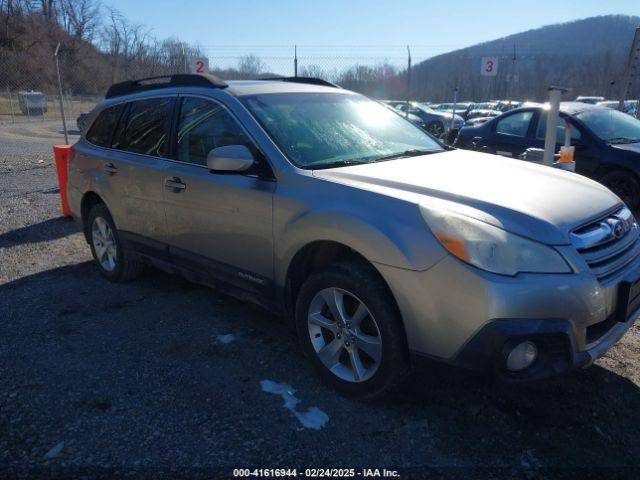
<point x="175" y="185"/>
<point x="110" y="168"/>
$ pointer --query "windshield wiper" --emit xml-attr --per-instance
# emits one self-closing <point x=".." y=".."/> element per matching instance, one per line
<point x="337" y="163"/>
<point x="362" y="161"/>
<point x="623" y="140"/>
<point x="405" y="154"/>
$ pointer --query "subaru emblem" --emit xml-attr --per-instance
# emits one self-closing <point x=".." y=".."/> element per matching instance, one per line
<point x="618" y="228"/>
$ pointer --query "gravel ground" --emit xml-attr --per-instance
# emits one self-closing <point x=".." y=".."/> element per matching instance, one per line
<point x="161" y="377"/>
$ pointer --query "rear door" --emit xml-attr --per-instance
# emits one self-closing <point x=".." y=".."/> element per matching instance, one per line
<point x="140" y="149"/>
<point x="587" y="154"/>
<point x="512" y="134"/>
<point x="218" y="222"/>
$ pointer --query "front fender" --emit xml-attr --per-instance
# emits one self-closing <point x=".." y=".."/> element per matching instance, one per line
<point x="404" y="244"/>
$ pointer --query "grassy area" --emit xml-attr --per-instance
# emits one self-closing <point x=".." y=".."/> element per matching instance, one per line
<point x="9" y="107"/>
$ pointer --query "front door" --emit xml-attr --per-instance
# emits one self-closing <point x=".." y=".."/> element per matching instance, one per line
<point x="511" y="135"/>
<point x="217" y="221"/>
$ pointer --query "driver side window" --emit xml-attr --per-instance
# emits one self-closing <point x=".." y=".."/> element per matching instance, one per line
<point x="204" y="125"/>
<point x="516" y="124"/>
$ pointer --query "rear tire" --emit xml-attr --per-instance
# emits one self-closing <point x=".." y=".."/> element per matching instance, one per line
<point x="625" y="185"/>
<point x="113" y="261"/>
<point x="365" y="350"/>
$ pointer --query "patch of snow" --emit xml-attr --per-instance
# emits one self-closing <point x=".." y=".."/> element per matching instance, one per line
<point x="54" y="452"/>
<point x="313" y="418"/>
<point x="227" y="338"/>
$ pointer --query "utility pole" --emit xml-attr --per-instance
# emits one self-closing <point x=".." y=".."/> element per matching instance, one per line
<point x="64" y="121"/>
<point x="184" y="59"/>
<point x="552" y="116"/>
<point x="406" y="112"/>
<point x="295" y="60"/>
<point x="408" y="74"/>
<point x="455" y="103"/>
<point x="513" y="75"/>
<point x="631" y="70"/>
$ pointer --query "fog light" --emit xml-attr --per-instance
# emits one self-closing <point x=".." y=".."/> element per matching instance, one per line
<point x="522" y="356"/>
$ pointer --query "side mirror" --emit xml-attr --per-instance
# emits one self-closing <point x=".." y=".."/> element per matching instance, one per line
<point x="231" y="158"/>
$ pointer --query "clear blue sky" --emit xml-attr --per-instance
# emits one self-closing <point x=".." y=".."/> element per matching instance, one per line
<point x="432" y="26"/>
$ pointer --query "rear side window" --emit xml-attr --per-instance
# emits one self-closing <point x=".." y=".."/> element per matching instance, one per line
<point x="147" y="126"/>
<point x="102" y="128"/>
<point x="515" y="125"/>
<point x="560" y="129"/>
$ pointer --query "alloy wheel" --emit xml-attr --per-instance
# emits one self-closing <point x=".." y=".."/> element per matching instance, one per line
<point x="436" y="129"/>
<point x="344" y="335"/>
<point x="104" y="244"/>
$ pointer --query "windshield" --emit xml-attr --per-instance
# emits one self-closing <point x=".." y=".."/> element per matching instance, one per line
<point x="320" y="130"/>
<point x="611" y="126"/>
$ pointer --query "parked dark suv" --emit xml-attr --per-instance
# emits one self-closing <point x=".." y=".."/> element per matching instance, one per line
<point x="606" y="141"/>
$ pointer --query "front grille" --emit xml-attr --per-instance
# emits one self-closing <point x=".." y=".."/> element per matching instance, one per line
<point x="609" y="244"/>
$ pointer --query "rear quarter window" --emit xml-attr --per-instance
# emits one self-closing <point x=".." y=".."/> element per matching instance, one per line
<point x="103" y="126"/>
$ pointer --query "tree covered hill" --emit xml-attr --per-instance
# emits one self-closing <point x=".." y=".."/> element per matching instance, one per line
<point x="585" y="55"/>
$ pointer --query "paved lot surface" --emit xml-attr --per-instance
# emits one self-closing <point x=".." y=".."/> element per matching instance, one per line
<point x="162" y="377"/>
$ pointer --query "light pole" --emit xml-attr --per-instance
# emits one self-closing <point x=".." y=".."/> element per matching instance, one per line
<point x="406" y="112"/>
<point x="64" y="122"/>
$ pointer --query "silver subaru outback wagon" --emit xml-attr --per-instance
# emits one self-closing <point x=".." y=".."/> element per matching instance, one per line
<point x="379" y="243"/>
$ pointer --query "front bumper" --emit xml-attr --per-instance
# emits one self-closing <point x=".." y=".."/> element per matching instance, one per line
<point x="458" y="314"/>
<point x="558" y="351"/>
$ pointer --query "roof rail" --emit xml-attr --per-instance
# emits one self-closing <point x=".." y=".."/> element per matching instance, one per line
<point x="307" y="80"/>
<point x="164" y="81"/>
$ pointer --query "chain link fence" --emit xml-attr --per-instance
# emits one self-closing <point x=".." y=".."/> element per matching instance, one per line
<point x="29" y="90"/>
<point x="31" y="93"/>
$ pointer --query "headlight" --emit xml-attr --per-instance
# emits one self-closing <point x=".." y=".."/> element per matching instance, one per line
<point x="491" y="248"/>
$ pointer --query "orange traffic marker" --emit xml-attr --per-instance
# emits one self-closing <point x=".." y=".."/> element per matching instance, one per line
<point x="63" y="154"/>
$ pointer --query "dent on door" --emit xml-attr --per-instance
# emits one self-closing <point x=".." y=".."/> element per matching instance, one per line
<point x="222" y="217"/>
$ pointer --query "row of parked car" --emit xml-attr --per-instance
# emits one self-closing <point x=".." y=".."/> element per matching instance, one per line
<point x="475" y="113"/>
<point x="436" y="117"/>
<point x="438" y="123"/>
<point x="628" y="106"/>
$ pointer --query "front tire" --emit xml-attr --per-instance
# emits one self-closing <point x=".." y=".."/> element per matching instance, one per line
<point x="113" y="261"/>
<point x="350" y="328"/>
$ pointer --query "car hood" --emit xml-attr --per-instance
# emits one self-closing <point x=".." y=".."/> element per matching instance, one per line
<point x="485" y="112"/>
<point x="534" y="201"/>
<point x="447" y="115"/>
<point x="629" y="147"/>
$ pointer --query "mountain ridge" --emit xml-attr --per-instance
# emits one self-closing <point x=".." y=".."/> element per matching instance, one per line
<point x="585" y="55"/>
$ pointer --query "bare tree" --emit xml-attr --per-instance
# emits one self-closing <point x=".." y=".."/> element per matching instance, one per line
<point x="48" y="10"/>
<point x="80" y="18"/>
<point x="250" y="66"/>
<point x="315" y="71"/>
